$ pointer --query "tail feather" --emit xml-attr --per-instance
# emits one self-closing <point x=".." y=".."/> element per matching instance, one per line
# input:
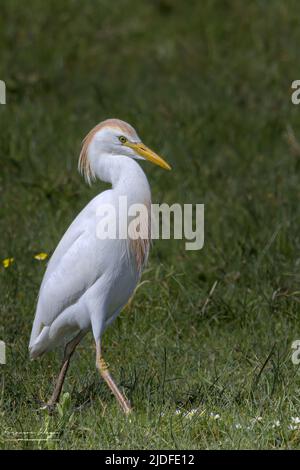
<point x="39" y="345"/>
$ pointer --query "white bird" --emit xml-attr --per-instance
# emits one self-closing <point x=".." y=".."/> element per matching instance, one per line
<point x="89" y="279"/>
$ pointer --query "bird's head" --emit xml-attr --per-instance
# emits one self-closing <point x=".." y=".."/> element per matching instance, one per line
<point x="114" y="137"/>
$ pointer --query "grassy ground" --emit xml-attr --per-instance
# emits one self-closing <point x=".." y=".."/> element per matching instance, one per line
<point x="207" y="84"/>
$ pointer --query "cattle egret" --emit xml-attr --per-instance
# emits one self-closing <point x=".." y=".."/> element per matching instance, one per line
<point x="89" y="279"/>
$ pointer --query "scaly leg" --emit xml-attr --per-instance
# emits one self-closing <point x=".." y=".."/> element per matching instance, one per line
<point x="103" y="369"/>
<point x="69" y="350"/>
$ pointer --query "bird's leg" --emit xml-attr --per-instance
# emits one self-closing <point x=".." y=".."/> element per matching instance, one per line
<point x="103" y="369"/>
<point x="69" y="350"/>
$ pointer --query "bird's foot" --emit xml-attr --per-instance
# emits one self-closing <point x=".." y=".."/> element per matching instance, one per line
<point x="126" y="406"/>
<point x="50" y="407"/>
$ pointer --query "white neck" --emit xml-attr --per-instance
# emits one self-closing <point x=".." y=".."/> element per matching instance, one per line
<point x="125" y="175"/>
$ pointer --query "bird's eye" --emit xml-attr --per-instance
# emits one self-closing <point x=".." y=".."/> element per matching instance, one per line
<point x="122" y="139"/>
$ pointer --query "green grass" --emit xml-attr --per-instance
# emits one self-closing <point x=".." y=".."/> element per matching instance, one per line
<point x="207" y="84"/>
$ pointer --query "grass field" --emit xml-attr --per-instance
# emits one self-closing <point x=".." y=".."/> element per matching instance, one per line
<point x="208" y="85"/>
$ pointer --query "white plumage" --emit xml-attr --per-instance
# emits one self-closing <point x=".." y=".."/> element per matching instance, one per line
<point x="89" y="280"/>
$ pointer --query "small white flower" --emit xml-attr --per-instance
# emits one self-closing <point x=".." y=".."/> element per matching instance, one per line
<point x="293" y="427"/>
<point x="215" y="416"/>
<point x="295" y="420"/>
<point x="257" y="419"/>
<point x="178" y="412"/>
<point x="238" y="426"/>
<point x="276" y="424"/>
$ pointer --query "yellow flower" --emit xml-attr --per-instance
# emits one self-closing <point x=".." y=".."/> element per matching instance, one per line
<point x="7" y="262"/>
<point x="41" y="256"/>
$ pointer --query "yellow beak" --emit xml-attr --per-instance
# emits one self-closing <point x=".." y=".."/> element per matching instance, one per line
<point x="148" y="154"/>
